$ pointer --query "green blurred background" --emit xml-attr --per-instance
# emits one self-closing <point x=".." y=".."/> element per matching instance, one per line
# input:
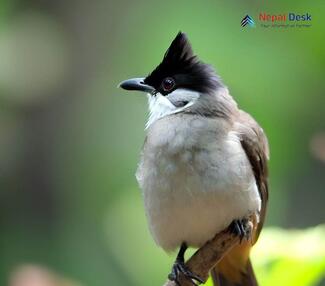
<point x="70" y="208"/>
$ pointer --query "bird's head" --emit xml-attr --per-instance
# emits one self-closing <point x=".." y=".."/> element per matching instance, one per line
<point x="180" y="83"/>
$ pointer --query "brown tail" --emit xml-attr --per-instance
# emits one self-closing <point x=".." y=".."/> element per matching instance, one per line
<point x="235" y="269"/>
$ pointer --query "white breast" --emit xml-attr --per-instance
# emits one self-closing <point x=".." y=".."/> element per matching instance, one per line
<point x="195" y="179"/>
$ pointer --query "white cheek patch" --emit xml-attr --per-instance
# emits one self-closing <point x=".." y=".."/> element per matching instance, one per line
<point x="161" y="106"/>
<point x="179" y="96"/>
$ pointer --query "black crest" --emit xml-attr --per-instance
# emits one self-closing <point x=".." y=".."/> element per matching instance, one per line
<point x="184" y="67"/>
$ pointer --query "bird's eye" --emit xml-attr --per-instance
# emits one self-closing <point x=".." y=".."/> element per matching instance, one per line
<point x="168" y="83"/>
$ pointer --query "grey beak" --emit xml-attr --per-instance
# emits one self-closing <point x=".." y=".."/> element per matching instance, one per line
<point x="136" y="84"/>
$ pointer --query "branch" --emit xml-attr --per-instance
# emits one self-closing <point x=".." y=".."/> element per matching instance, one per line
<point x="205" y="258"/>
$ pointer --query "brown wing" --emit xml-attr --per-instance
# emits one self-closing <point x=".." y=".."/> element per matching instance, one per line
<point x="254" y="143"/>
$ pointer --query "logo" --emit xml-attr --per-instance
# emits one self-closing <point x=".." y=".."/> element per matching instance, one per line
<point x="284" y="17"/>
<point x="247" y="20"/>
<point x="279" y="20"/>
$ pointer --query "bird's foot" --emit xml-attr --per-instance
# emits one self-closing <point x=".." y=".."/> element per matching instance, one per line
<point x="180" y="267"/>
<point x="241" y="228"/>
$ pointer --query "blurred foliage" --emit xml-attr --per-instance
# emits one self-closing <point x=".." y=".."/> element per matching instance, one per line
<point x="289" y="257"/>
<point x="293" y="257"/>
<point x="70" y="140"/>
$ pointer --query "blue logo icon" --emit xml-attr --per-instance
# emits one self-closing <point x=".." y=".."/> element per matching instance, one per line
<point x="247" y="20"/>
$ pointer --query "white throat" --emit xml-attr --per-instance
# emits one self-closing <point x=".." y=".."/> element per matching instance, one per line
<point x="161" y="106"/>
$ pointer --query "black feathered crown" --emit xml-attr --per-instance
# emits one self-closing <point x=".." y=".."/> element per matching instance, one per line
<point x="184" y="67"/>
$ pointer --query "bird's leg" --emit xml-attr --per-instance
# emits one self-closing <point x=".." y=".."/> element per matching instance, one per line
<point x="242" y="228"/>
<point x="180" y="267"/>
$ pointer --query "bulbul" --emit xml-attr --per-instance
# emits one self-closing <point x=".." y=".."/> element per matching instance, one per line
<point x="203" y="165"/>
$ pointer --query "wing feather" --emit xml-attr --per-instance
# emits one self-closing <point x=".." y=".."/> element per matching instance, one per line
<point x="255" y="145"/>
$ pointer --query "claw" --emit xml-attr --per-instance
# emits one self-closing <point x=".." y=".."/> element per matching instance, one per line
<point x="242" y="228"/>
<point x="180" y="267"/>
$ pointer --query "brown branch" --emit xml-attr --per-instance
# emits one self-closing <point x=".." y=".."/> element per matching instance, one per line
<point x="205" y="258"/>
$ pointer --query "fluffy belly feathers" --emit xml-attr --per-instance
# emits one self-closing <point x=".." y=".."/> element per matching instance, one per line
<point x="192" y="193"/>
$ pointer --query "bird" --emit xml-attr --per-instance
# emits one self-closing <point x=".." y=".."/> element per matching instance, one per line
<point x="203" y="166"/>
